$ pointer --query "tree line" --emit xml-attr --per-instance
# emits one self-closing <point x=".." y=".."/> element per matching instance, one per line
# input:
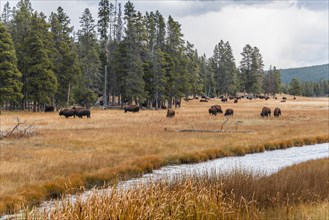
<point x="124" y="56"/>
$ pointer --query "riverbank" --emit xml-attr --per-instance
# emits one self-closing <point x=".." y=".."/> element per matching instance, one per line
<point x="296" y="192"/>
<point x="70" y="155"/>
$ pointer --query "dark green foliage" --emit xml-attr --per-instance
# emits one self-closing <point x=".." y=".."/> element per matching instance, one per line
<point x="225" y="71"/>
<point x="64" y="57"/>
<point x="306" y="74"/>
<point x="41" y="83"/>
<point x="295" y="87"/>
<point x="10" y="85"/>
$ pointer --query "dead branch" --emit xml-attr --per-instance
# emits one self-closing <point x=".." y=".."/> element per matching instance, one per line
<point x="18" y="131"/>
<point x="227" y="119"/>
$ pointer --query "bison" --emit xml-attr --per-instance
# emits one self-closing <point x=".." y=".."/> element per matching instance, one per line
<point x="131" y="108"/>
<point x="49" y="108"/>
<point x="218" y="108"/>
<point x="213" y="111"/>
<point x="229" y="112"/>
<point x="170" y="113"/>
<point x="82" y="112"/>
<point x="67" y="113"/>
<point x="277" y="112"/>
<point x="224" y="99"/>
<point x="266" y="111"/>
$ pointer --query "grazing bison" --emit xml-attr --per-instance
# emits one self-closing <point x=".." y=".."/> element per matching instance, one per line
<point x="235" y="100"/>
<point x="131" y="108"/>
<point x="229" y="112"/>
<point x="266" y="111"/>
<point x="67" y="113"/>
<point x="170" y="113"/>
<point x="213" y="111"/>
<point x="82" y="112"/>
<point x="203" y="100"/>
<point x="218" y="108"/>
<point x="49" y="108"/>
<point x="224" y="99"/>
<point x="277" y="112"/>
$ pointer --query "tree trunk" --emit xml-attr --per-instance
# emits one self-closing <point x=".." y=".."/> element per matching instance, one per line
<point x="68" y="95"/>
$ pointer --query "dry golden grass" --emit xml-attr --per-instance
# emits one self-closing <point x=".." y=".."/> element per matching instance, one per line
<point x="239" y="195"/>
<point x="69" y="153"/>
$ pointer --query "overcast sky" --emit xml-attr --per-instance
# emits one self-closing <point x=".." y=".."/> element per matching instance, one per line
<point x="287" y="33"/>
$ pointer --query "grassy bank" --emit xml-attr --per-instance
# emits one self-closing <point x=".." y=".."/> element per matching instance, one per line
<point x="297" y="192"/>
<point x="69" y="155"/>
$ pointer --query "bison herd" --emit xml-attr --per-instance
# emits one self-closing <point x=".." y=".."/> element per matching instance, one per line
<point x="213" y="110"/>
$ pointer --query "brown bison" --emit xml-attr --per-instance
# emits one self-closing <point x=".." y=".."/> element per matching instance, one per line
<point x="49" y="108"/>
<point x="277" y="112"/>
<point x="224" y="100"/>
<point x="82" y="112"/>
<point x="266" y="111"/>
<point x="229" y="112"/>
<point x="203" y="100"/>
<point x="170" y="113"/>
<point x="218" y="108"/>
<point x="67" y="113"/>
<point x="131" y="108"/>
<point x="213" y="111"/>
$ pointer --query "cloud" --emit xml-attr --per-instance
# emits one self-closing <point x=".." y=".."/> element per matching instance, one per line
<point x="286" y="35"/>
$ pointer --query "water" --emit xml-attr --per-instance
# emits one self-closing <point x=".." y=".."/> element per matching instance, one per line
<point x="267" y="162"/>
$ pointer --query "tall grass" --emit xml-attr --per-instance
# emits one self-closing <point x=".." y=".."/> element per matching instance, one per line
<point x="297" y="192"/>
<point x="70" y="155"/>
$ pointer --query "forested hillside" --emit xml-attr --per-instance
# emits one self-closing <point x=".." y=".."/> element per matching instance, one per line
<point x="306" y="74"/>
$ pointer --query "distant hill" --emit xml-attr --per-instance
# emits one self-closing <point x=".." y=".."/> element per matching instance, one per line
<point x="306" y="74"/>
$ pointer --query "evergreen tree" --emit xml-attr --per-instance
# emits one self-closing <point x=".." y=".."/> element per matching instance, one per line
<point x="177" y="82"/>
<point x="133" y="42"/>
<point x="41" y="83"/>
<point x="207" y="75"/>
<point x="277" y="80"/>
<point x="251" y="70"/>
<point x="64" y="57"/>
<point x="295" y="87"/>
<point x="10" y="85"/>
<point x="20" y="30"/>
<point x="223" y="64"/>
<point x="6" y="14"/>
<point x="195" y="83"/>
<point x="160" y="28"/>
<point x="89" y="53"/>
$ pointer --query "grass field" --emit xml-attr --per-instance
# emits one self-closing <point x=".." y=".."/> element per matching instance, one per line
<point x="67" y="155"/>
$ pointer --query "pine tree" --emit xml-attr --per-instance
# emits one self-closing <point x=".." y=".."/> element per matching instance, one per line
<point x="295" y="87"/>
<point x="6" y="14"/>
<point x="251" y="70"/>
<point x="41" y="83"/>
<point x="223" y="64"/>
<point x="89" y="53"/>
<point x="177" y="82"/>
<point x="193" y="71"/>
<point x="10" y="85"/>
<point x="134" y="42"/>
<point x="277" y="80"/>
<point x="64" y="57"/>
<point x="20" y="30"/>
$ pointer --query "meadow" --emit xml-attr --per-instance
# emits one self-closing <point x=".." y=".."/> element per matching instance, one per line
<point x="69" y="155"/>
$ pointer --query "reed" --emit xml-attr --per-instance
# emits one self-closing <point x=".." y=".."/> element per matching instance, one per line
<point x="236" y="195"/>
<point x="69" y="155"/>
